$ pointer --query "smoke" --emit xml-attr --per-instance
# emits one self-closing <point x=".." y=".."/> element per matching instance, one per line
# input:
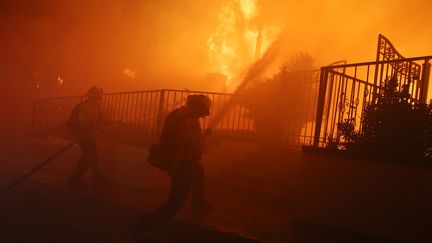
<point x="333" y="30"/>
<point x="254" y="73"/>
<point x="135" y="45"/>
<point x="263" y="65"/>
<point x="93" y="42"/>
<point x="165" y="43"/>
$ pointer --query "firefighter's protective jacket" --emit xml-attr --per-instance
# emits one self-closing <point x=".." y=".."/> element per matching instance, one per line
<point x="86" y="117"/>
<point x="181" y="136"/>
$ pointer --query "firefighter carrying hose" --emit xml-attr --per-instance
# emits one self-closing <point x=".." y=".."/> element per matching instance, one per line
<point x="85" y="120"/>
<point x="178" y="153"/>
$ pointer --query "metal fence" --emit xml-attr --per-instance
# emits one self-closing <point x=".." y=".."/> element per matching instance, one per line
<point x="345" y="90"/>
<point x="140" y="114"/>
<point x="242" y="116"/>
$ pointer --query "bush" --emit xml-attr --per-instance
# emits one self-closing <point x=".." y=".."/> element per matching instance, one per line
<point x="394" y="128"/>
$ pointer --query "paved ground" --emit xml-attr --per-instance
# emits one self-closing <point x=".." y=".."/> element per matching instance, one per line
<point x="254" y="191"/>
<point x="42" y="213"/>
<point x="249" y="206"/>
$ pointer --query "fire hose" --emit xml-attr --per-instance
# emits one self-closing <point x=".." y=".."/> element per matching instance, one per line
<point x="47" y="161"/>
<point x="41" y="165"/>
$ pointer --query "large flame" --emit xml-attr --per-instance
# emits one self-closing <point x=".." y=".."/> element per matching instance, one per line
<point x="249" y="8"/>
<point x="238" y="40"/>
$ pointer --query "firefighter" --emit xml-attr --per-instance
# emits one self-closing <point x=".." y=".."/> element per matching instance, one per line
<point x="85" y="120"/>
<point x="178" y="153"/>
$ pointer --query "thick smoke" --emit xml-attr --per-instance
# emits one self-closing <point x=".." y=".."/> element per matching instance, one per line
<point x="164" y="43"/>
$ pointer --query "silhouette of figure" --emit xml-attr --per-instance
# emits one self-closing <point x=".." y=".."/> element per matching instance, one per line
<point x="85" y="119"/>
<point x="179" y="152"/>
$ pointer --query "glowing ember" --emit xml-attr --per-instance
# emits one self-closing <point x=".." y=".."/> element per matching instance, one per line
<point x="37" y="83"/>
<point x="131" y="74"/>
<point x="60" y="81"/>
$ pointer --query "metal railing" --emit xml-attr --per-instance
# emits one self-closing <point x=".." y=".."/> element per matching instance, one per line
<point x="242" y="116"/>
<point x="140" y="113"/>
<point x="345" y="90"/>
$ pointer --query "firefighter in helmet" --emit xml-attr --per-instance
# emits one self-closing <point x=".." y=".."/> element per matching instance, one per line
<point x="85" y="120"/>
<point x="180" y="150"/>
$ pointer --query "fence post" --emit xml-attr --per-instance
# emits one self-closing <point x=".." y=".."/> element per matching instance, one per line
<point x="374" y="90"/>
<point x="425" y="81"/>
<point x="320" y="105"/>
<point x="160" y="111"/>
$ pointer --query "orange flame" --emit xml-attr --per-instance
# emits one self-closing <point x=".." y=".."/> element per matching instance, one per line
<point x="233" y="47"/>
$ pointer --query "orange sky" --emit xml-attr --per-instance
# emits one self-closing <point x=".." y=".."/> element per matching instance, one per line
<point x="165" y="43"/>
